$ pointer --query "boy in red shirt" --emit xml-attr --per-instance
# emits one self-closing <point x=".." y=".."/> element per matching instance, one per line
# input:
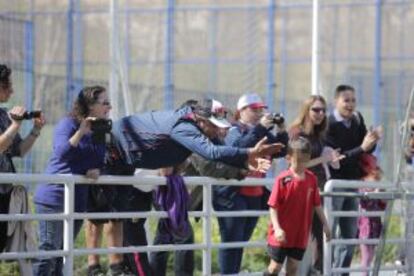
<point x="294" y="198"/>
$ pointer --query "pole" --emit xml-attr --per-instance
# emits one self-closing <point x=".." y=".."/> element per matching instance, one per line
<point x="315" y="50"/>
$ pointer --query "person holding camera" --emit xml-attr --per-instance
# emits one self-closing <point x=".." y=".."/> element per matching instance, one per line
<point x="252" y="125"/>
<point x="11" y="143"/>
<point x="75" y="151"/>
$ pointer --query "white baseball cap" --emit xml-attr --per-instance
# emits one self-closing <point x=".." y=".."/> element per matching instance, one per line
<point x="219" y="121"/>
<point x="250" y="100"/>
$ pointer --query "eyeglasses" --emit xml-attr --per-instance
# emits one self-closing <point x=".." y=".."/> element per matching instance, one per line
<point x="107" y="103"/>
<point x="318" y="109"/>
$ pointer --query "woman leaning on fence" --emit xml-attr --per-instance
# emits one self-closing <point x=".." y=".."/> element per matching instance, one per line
<point x="74" y="152"/>
<point x="11" y="143"/>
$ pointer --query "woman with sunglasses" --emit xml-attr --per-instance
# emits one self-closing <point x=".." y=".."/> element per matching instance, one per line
<point x="75" y="151"/>
<point x="311" y="123"/>
<point x="252" y="125"/>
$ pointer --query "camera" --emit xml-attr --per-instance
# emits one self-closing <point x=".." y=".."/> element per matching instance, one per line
<point x="28" y="115"/>
<point x="278" y="118"/>
<point x="101" y="126"/>
<point x="101" y="129"/>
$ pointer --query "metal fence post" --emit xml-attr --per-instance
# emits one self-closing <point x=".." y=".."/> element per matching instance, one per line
<point x="169" y="56"/>
<point x="327" y="246"/>
<point x="271" y="54"/>
<point x="207" y="203"/>
<point x="68" y="227"/>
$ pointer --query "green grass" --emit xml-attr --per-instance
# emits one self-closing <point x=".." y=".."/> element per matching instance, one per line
<point x="254" y="259"/>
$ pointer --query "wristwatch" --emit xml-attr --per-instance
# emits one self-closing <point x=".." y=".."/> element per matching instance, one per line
<point x="35" y="132"/>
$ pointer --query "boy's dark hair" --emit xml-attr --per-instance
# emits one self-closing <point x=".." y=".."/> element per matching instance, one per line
<point x="299" y="145"/>
<point x="342" y="88"/>
<point x="5" y="73"/>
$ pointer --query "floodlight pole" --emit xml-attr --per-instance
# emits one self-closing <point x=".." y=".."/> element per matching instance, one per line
<point x="315" y="50"/>
<point x="113" y="77"/>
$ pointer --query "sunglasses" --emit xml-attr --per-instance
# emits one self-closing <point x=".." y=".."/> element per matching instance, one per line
<point x="318" y="109"/>
<point x="107" y="103"/>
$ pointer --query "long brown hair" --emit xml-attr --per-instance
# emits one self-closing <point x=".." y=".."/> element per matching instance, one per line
<point x="303" y="122"/>
<point x="5" y="73"/>
<point x="89" y="95"/>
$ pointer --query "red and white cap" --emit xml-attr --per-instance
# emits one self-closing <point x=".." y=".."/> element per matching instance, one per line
<point x="250" y="100"/>
<point x="219" y="121"/>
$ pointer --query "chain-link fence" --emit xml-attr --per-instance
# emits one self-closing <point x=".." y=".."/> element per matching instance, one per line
<point x="170" y="51"/>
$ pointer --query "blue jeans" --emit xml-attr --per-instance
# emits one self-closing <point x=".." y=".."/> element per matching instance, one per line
<point x="51" y="238"/>
<point x="235" y="229"/>
<point x="348" y="229"/>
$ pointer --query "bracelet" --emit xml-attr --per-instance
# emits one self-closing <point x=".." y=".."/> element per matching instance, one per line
<point x="35" y="132"/>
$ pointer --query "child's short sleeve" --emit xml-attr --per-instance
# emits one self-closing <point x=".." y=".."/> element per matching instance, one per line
<point x="276" y="197"/>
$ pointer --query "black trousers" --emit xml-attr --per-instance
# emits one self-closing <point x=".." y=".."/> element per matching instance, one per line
<point x="134" y="231"/>
<point x="4" y="209"/>
<point x="183" y="259"/>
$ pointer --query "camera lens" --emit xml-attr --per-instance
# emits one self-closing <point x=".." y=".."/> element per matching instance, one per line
<point x="278" y="118"/>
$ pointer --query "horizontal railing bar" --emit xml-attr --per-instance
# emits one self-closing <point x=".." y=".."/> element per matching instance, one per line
<point x="364" y="241"/>
<point x="130" y="249"/>
<point x="361" y="269"/>
<point x="125" y="215"/>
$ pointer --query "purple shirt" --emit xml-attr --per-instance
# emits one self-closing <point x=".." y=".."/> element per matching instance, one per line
<point x="67" y="159"/>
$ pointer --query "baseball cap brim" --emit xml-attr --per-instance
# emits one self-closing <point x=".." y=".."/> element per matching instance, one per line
<point x="219" y="122"/>
<point x="257" y="105"/>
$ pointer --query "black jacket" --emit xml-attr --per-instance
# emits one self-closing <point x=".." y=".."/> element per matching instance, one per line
<point x="349" y="141"/>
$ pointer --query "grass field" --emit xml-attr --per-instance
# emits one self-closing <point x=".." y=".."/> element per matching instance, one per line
<point x="255" y="259"/>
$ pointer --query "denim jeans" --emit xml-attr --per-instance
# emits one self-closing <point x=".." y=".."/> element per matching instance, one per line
<point x="235" y="229"/>
<point x="183" y="259"/>
<point x="51" y="238"/>
<point x="348" y="229"/>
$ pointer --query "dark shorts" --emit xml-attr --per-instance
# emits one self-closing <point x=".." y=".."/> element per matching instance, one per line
<point x="279" y="254"/>
<point x="106" y="199"/>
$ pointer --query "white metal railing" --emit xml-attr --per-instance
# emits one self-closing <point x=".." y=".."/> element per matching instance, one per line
<point x="330" y="187"/>
<point x="68" y="216"/>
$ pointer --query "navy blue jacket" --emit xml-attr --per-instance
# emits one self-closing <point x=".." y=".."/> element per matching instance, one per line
<point x="243" y="136"/>
<point x="166" y="138"/>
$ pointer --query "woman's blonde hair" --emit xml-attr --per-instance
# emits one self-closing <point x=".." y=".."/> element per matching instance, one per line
<point x="303" y="121"/>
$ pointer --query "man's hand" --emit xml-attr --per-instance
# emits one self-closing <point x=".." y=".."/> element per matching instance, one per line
<point x="261" y="149"/>
<point x="260" y="165"/>
<point x="93" y="173"/>
<point x="166" y="171"/>
<point x="371" y="138"/>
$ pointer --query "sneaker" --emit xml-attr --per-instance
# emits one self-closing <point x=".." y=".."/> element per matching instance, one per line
<point x="400" y="272"/>
<point x="119" y="270"/>
<point x="95" y="270"/>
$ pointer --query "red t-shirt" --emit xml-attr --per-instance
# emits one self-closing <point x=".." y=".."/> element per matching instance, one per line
<point x="252" y="190"/>
<point x="295" y="200"/>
